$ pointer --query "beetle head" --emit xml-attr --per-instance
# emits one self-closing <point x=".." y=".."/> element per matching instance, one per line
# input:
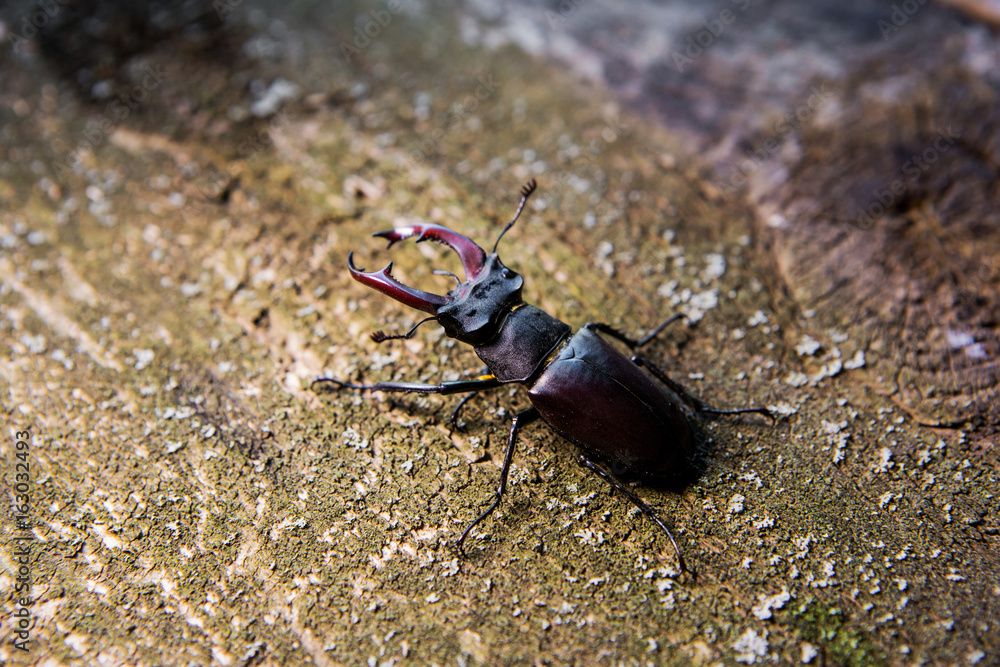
<point x="472" y="312"/>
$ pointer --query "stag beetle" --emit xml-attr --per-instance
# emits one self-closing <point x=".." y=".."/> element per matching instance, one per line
<point x="585" y="389"/>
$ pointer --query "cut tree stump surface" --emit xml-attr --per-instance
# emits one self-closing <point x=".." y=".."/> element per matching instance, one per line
<point x="178" y="195"/>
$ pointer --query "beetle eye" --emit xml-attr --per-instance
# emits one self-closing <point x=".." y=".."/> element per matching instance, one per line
<point x="507" y="273"/>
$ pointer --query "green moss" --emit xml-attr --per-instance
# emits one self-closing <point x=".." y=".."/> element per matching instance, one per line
<point x="825" y="627"/>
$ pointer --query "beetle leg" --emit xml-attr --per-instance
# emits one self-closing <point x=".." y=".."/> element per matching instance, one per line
<point x="693" y="403"/>
<point x="520" y="419"/>
<point x="453" y="419"/>
<point x="632" y="342"/>
<point x="455" y="387"/>
<point x="634" y="499"/>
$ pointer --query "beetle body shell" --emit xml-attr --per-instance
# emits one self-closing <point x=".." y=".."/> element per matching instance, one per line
<point x="584" y="388"/>
<point x="600" y="400"/>
<point x="590" y="393"/>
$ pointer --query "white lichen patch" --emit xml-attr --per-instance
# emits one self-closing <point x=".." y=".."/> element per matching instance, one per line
<point x="827" y="371"/>
<point x="750" y="647"/>
<point x="736" y="504"/>
<point x="668" y="290"/>
<point x="701" y="302"/>
<point x="589" y="537"/>
<point x="884" y="460"/>
<point x="110" y="540"/>
<point x="183" y="412"/>
<point x="836" y="437"/>
<point x="278" y="528"/>
<point x="77" y="643"/>
<point x="34" y="344"/>
<point x="808" y="346"/>
<point x="143" y="358"/>
<point x="765" y="603"/>
<point x="796" y="379"/>
<point x="857" y="361"/>
<point x="380" y="360"/>
<point x="959" y="339"/>
<point x="802" y="544"/>
<point x="353" y="439"/>
<point x="975" y="351"/>
<point x="715" y="267"/>
<point x="753" y="478"/>
<point x="784" y="408"/>
<point x="829" y="570"/>
<point x="603" y="258"/>
<point x="833" y="427"/>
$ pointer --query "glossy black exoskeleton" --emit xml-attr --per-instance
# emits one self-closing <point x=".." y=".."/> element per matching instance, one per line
<point x="585" y="389"/>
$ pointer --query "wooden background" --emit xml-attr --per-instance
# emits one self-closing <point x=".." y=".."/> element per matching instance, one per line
<point x="178" y="193"/>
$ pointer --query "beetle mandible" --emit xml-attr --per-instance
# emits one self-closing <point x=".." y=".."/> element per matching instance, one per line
<point x="584" y="388"/>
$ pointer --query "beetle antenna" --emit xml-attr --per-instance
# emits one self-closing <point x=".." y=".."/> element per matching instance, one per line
<point x="441" y="272"/>
<point x="526" y="191"/>
<point x="381" y="336"/>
